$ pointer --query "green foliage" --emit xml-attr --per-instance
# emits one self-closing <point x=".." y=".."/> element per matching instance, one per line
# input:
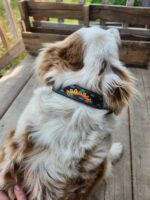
<point x="117" y="2"/>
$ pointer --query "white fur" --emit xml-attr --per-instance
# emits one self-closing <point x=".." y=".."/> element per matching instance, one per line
<point x="116" y="151"/>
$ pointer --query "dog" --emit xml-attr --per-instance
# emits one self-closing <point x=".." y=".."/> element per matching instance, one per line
<point x="62" y="146"/>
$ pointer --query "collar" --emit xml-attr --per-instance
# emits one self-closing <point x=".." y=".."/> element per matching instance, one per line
<point x="84" y="96"/>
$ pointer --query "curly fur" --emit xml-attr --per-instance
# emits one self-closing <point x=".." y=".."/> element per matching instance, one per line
<point x="61" y="149"/>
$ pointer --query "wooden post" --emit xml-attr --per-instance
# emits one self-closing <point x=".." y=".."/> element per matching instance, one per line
<point x="130" y="3"/>
<point x="86" y="15"/>
<point x="11" y="18"/>
<point x="60" y="20"/>
<point x="4" y="41"/>
<point x="24" y="14"/>
<point x="105" y="1"/>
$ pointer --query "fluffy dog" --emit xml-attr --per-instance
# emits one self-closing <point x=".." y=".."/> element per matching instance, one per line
<point x="62" y="145"/>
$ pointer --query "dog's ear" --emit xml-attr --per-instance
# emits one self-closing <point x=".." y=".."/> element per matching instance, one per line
<point x="118" y="88"/>
<point x="64" y="55"/>
<point x="71" y="52"/>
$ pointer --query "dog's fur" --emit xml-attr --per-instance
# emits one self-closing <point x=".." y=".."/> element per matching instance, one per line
<point x="61" y="148"/>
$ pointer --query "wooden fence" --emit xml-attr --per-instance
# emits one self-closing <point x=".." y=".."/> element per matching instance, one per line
<point x="18" y="46"/>
<point x="132" y="22"/>
<point x="37" y="28"/>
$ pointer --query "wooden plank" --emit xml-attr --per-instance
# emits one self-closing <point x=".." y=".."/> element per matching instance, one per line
<point x="31" y="37"/>
<point x="131" y="52"/>
<point x="146" y="82"/>
<point x="11" y="19"/>
<point x="12" y="53"/>
<point x="35" y="41"/>
<point x="139" y="32"/>
<point x="118" y="186"/>
<point x="12" y="83"/>
<point x="46" y="27"/>
<point x="63" y="14"/>
<point x="53" y="6"/>
<point x="139" y="15"/>
<point x="135" y="53"/>
<point x="54" y="28"/>
<point x="60" y="20"/>
<point x="51" y="31"/>
<point x="3" y="38"/>
<point x="140" y="137"/>
<point x="146" y="77"/>
<point x="10" y="118"/>
<point x="105" y="1"/>
<point x="130" y="2"/>
<point x="24" y="14"/>
<point x="86" y="15"/>
<point x="59" y="10"/>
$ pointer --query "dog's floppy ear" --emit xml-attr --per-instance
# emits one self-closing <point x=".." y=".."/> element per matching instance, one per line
<point x="63" y="55"/>
<point x="71" y="51"/>
<point x="118" y="88"/>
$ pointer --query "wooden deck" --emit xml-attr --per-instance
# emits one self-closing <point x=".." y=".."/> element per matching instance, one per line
<point x="131" y="176"/>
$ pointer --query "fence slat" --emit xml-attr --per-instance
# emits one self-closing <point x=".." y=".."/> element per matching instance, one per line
<point x="58" y="10"/>
<point x="48" y="27"/>
<point x="3" y="38"/>
<point x="130" y="3"/>
<point x="12" y="53"/>
<point x="130" y="15"/>
<point x="24" y="14"/>
<point x="10" y="18"/>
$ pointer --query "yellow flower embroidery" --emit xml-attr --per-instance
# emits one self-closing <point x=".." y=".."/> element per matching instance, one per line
<point x="86" y="98"/>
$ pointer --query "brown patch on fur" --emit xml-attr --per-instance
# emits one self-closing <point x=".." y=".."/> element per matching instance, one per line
<point x="118" y="98"/>
<point x="11" y="135"/>
<point x="13" y="174"/>
<point x="103" y="67"/>
<point x="122" y="74"/>
<point x="14" y="146"/>
<point x="120" y="93"/>
<point x="81" y="187"/>
<point x="28" y="144"/>
<point x="72" y="52"/>
<point x="67" y="54"/>
<point x="77" y="188"/>
<point x="2" y="155"/>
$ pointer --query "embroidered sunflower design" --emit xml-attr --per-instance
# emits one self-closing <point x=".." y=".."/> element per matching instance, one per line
<point x="81" y="95"/>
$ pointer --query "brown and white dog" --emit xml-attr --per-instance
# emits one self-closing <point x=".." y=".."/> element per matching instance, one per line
<point x="62" y="148"/>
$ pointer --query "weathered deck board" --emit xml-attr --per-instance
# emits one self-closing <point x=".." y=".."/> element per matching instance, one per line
<point x="10" y="118"/>
<point x="140" y="140"/>
<point x="119" y="186"/>
<point x="146" y="81"/>
<point x="12" y="84"/>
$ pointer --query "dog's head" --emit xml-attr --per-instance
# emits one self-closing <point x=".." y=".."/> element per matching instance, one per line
<point x="89" y="58"/>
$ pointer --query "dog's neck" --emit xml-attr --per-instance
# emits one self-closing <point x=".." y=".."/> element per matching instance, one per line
<point x="84" y="96"/>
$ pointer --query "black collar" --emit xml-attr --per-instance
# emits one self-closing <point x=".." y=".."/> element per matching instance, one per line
<point x="84" y="96"/>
